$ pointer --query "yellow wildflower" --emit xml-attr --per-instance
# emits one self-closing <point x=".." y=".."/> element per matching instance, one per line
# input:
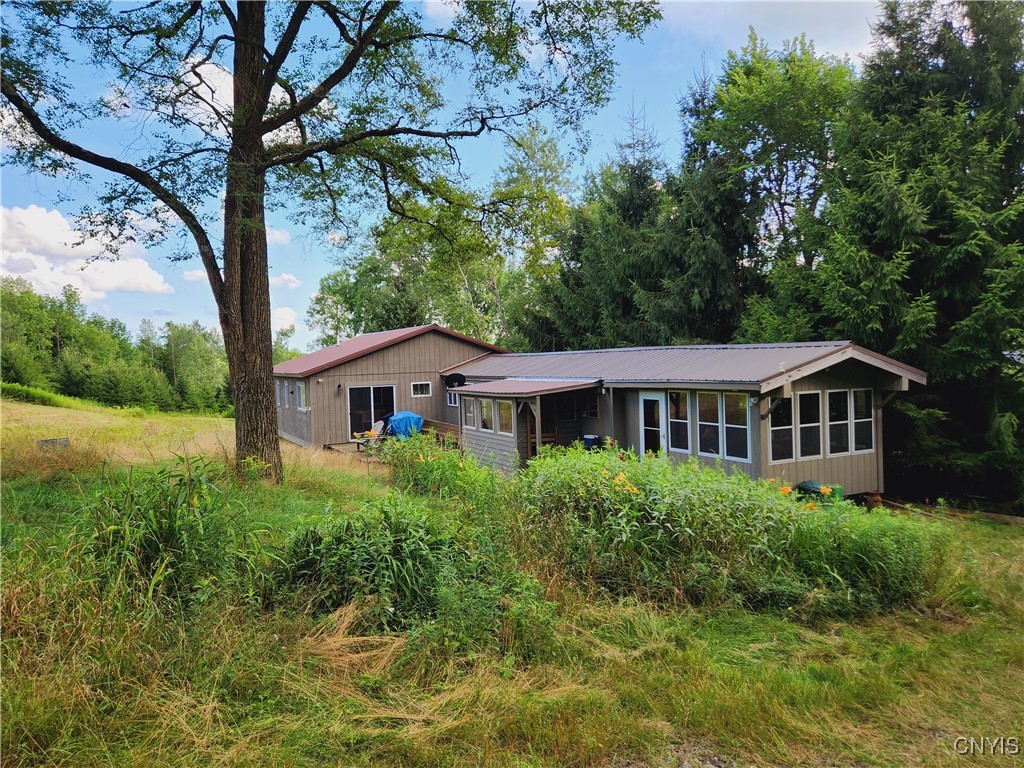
<point x="771" y="480"/>
<point x="605" y="473"/>
<point x="825" y="490"/>
<point x="785" y="490"/>
<point x="810" y="505"/>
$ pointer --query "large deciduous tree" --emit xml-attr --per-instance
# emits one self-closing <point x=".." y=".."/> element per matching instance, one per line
<point x="316" y="106"/>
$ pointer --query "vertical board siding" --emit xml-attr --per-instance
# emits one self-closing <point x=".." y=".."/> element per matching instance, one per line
<point x="500" y="451"/>
<point x="293" y="424"/>
<point x="417" y="359"/>
<point x="855" y="472"/>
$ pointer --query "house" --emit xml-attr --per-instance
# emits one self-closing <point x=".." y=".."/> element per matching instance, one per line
<point x="326" y="396"/>
<point x="794" y="412"/>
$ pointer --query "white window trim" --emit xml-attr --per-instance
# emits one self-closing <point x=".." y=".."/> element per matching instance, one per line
<point x="371" y="387"/>
<point x="746" y="428"/>
<point x="466" y="402"/>
<point x="277" y="392"/>
<point x="480" y="415"/>
<point x="848" y="422"/>
<point x="689" y="437"/>
<point x="854" y="421"/>
<point x="430" y="388"/>
<point x="791" y="428"/>
<point x="302" y="397"/>
<point x="497" y="419"/>
<point x="597" y="406"/>
<point x="453" y="399"/>
<point x="721" y="435"/>
<point x="821" y="412"/>
<point x="287" y="392"/>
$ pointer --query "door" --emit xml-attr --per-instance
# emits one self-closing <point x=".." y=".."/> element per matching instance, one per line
<point x="653" y="434"/>
<point x="368" y="405"/>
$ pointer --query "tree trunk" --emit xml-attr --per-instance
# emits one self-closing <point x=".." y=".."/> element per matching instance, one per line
<point x="245" y="306"/>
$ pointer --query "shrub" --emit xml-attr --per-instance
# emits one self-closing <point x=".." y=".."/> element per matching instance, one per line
<point x="420" y="572"/>
<point x="689" y="530"/>
<point x="423" y="464"/>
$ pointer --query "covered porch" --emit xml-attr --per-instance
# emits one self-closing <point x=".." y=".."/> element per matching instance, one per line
<point x="543" y="411"/>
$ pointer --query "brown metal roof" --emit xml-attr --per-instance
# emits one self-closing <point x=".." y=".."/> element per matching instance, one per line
<point x="364" y="344"/>
<point x="760" y="367"/>
<point x="526" y="387"/>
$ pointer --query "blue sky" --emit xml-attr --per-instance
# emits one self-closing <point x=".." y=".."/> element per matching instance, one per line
<point x="37" y="231"/>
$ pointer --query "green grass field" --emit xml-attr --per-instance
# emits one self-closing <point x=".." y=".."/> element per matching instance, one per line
<point x="94" y="676"/>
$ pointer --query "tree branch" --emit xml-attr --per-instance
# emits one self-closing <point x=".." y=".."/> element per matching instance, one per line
<point x="284" y="47"/>
<point x="336" y="145"/>
<point x="121" y="168"/>
<point x="319" y="93"/>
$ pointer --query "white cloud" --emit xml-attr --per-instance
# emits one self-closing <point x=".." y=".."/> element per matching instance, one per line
<point x="285" y="280"/>
<point x="839" y="28"/>
<point x="284" y="317"/>
<point x="40" y="246"/>
<point x="440" y="12"/>
<point x="278" y="236"/>
<point x="194" y="275"/>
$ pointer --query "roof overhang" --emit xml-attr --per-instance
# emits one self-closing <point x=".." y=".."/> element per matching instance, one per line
<point x="526" y="387"/>
<point x="849" y="352"/>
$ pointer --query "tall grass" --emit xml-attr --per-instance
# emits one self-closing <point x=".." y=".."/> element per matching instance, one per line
<point x="38" y="396"/>
<point x="684" y="531"/>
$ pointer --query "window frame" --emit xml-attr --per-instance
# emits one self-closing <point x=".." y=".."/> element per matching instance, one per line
<point x="791" y="428"/>
<point x="726" y="426"/>
<point x="480" y="415"/>
<point x="512" y="418"/>
<point x="586" y="412"/>
<point x="453" y="398"/>
<point x="277" y="392"/>
<point x="717" y="425"/>
<point x="301" y="403"/>
<point x="684" y="394"/>
<point x="854" y="421"/>
<point x="800" y="425"/>
<point x="848" y="422"/>
<point x="469" y="408"/>
<point x="429" y="385"/>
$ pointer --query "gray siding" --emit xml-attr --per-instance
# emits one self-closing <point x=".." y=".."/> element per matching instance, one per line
<point x="497" y="450"/>
<point x="400" y="365"/>
<point x="292" y="424"/>
<point x="855" y="472"/>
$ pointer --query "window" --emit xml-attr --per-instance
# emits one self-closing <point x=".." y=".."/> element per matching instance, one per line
<point x="588" y="409"/>
<point x="838" y="421"/>
<point x="469" y="419"/>
<point x="277" y="392"/>
<point x="453" y="399"/>
<point x="300" y="398"/>
<point x="809" y="423"/>
<point x="286" y="393"/>
<point x="781" y="428"/>
<point x="863" y="420"/>
<point x="851" y="421"/>
<point x="505" y="417"/>
<point x="678" y="421"/>
<point x="708" y="430"/>
<point x="737" y="414"/>
<point x="486" y="414"/>
<point x="421" y="389"/>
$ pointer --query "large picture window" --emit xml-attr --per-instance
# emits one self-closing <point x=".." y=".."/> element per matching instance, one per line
<point x="809" y="424"/>
<point x="469" y="414"/>
<point x="781" y="426"/>
<point x="486" y="414"/>
<point x="708" y="429"/>
<point x="678" y="421"/>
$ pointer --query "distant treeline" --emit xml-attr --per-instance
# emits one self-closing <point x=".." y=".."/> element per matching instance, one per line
<point x="52" y="343"/>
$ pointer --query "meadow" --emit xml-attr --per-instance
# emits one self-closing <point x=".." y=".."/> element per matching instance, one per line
<point x="421" y="610"/>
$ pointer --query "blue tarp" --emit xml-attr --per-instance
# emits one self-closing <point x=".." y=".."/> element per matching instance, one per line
<point x="404" y="423"/>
